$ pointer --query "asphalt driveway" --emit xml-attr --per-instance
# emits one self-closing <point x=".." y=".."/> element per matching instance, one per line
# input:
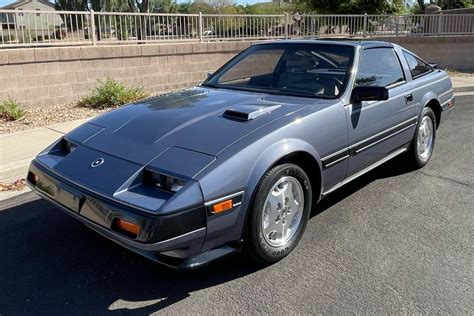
<point x="393" y="241"/>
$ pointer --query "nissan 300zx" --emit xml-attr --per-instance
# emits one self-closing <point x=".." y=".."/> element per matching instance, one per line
<point x="238" y="162"/>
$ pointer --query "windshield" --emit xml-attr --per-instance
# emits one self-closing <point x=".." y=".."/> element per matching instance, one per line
<point x="310" y="70"/>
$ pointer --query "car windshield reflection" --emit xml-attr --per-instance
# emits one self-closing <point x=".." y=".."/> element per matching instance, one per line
<point x="307" y="70"/>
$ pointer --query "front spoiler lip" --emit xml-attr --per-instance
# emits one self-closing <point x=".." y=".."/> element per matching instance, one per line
<point x="161" y="246"/>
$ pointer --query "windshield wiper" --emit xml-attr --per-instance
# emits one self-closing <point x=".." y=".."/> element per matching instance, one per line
<point x="302" y="94"/>
<point x="269" y="90"/>
<point x="210" y="85"/>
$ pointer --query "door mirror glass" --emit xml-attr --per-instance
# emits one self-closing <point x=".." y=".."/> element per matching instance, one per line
<point x="369" y="93"/>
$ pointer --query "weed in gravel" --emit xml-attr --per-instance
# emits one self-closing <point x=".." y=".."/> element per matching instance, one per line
<point x="10" y="110"/>
<point x="111" y="93"/>
<point x="18" y="185"/>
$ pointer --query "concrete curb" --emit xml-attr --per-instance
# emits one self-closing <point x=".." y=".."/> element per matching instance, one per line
<point x="464" y="89"/>
<point x="5" y="195"/>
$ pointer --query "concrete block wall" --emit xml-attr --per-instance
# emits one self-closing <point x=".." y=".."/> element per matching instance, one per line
<point x="452" y="52"/>
<point x="59" y="75"/>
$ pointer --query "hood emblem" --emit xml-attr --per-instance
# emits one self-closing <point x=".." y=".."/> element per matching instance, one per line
<point x="97" y="162"/>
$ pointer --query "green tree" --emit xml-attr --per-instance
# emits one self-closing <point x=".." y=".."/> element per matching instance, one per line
<point x="139" y="5"/>
<point x="164" y="6"/>
<point x="196" y="7"/>
<point x="357" y="6"/>
<point x="73" y="22"/>
<point x="421" y="6"/>
<point x="75" y="5"/>
<point x="452" y="4"/>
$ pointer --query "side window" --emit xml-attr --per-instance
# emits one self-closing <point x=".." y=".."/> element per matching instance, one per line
<point x="417" y="66"/>
<point x="379" y="67"/>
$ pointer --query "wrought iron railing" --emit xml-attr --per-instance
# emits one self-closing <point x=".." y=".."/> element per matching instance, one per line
<point x="26" y="28"/>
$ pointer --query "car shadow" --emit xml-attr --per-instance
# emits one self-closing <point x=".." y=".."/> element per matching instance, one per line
<point x="51" y="264"/>
<point x="392" y="168"/>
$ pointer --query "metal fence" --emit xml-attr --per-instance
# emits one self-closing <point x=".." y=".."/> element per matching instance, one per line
<point x="53" y="28"/>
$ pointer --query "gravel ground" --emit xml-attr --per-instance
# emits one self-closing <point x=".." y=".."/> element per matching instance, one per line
<point x="18" y="185"/>
<point x="454" y="73"/>
<point x="46" y="115"/>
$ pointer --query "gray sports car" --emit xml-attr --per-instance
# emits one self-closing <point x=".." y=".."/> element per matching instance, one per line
<point x="238" y="162"/>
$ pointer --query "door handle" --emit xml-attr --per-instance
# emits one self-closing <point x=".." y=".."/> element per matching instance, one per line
<point x="409" y="98"/>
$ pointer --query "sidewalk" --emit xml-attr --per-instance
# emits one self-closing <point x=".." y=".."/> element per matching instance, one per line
<point x="463" y="83"/>
<point x="18" y="149"/>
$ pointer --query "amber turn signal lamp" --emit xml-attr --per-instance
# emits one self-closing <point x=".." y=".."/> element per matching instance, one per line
<point x="131" y="229"/>
<point x="222" y="206"/>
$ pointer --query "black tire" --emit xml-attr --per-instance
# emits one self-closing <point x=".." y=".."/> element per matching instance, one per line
<point x="416" y="161"/>
<point x="255" y="245"/>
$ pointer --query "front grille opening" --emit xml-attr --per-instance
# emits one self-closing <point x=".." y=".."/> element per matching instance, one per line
<point x="32" y="178"/>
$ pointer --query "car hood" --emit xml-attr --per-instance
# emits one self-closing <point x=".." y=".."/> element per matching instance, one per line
<point x="192" y="119"/>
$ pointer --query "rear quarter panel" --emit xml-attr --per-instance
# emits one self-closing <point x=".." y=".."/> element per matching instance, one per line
<point x="436" y="85"/>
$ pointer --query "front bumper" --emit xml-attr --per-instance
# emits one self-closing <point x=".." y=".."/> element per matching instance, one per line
<point x="172" y="239"/>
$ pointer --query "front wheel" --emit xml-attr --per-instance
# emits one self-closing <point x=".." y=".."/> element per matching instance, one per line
<point x="424" y="139"/>
<point x="279" y="215"/>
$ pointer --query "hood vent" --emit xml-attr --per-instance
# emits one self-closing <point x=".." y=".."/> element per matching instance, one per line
<point x="247" y="112"/>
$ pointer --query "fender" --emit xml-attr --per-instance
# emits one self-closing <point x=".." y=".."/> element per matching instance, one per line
<point x="230" y="226"/>
<point x="276" y="152"/>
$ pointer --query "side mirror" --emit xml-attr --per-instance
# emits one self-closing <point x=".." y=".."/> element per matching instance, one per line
<point x="434" y="65"/>
<point x="369" y="93"/>
<point x="209" y="74"/>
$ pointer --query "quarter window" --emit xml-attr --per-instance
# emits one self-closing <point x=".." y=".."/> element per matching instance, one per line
<point x="379" y="67"/>
<point x="417" y="66"/>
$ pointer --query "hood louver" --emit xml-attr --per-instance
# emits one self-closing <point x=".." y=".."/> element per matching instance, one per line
<point x="247" y="112"/>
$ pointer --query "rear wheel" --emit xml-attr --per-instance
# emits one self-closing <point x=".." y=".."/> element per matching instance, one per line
<point x="279" y="214"/>
<point x="424" y="139"/>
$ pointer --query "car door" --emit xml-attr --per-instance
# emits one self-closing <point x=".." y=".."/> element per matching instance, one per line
<point x="377" y="128"/>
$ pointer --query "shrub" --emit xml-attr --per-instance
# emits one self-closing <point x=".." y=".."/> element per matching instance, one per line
<point x="7" y="38"/>
<point x="110" y="93"/>
<point x="41" y="38"/>
<point x="10" y="110"/>
<point x="27" y="37"/>
<point x="59" y="34"/>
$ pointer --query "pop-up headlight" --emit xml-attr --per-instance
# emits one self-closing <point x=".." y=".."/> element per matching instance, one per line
<point x="67" y="147"/>
<point x="163" y="182"/>
<point x="62" y="147"/>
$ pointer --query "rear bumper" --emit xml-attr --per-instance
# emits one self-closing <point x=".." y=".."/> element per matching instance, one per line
<point x="446" y="109"/>
<point x="170" y="239"/>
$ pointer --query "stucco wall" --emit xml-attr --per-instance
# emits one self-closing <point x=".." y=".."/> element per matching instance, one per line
<point x="35" y="77"/>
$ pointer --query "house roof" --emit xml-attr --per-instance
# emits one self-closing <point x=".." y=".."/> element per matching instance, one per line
<point x="19" y="4"/>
